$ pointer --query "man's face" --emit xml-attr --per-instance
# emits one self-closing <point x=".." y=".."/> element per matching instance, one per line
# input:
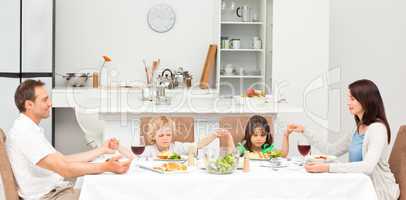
<point x="41" y="106"/>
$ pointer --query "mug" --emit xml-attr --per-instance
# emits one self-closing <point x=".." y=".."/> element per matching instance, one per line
<point x="244" y="13"/>
<point x="223" y="41"/>
<point x="228" y="70"/>
<point x="235" y="43"/>
<point x="256" y="43"/>
<point x="226" y="44"/>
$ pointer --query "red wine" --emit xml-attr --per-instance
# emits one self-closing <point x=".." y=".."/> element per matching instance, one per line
<point x="304" y="149"/>
<point x="138" y="150"/>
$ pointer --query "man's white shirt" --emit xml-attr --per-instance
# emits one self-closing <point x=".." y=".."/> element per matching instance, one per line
<point x="26" y="146"/>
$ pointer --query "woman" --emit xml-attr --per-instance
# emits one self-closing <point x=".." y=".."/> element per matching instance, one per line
<point x="368" y="146"/>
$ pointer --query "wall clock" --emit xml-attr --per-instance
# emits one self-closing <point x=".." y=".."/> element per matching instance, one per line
<point x="161" y="18"/>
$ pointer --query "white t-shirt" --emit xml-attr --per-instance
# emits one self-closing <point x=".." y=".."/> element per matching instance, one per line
<point x="26" y="146"/>
<point x="151" y="151"/>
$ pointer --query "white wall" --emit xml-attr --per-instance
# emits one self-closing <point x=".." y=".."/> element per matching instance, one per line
<point x="368" y="41"/>
<point x="300" y="61"/>
<point x="88" y="29"/>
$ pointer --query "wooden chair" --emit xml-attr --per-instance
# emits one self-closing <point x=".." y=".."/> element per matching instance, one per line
<point x="237" y="127"/>
<point x="7" y="176"/>
<point x="397" y="161"/>
<point x="184" y="129"/>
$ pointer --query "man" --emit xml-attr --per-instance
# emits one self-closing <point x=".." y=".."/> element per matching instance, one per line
<point x="38" y="168"/>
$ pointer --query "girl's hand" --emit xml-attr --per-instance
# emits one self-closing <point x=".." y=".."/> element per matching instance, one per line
<point x="294" y="128"/>
<point x="317" y="167"/>
<point x="222" y="133"/>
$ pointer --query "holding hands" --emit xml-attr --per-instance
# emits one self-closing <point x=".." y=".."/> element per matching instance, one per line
<point x="317" y="167"/>
<point x="223" y="133"/>
<point x="116" y="166"/>
<point x="110" y="146"/>
<point x="294" y="128"/>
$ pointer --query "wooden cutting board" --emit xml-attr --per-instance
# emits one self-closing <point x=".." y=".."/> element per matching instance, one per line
<point x="208" y="66"/>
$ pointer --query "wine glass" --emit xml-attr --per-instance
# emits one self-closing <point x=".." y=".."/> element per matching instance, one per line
<point x="303" y="147"/>
<point x="138" y="145"/>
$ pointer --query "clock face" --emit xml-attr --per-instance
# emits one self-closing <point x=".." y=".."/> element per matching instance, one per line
<point x="161" y="18"/>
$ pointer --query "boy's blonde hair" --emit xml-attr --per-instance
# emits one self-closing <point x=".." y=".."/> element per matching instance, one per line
<point x="156" y="123"/>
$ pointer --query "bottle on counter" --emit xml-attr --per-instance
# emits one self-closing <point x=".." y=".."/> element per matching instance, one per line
<point x="191" y="155"/>
<point x="95" y="78"/>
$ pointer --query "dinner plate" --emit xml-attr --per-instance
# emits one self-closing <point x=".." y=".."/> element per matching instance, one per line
<point x="321" y="158"/>
<point x="151" y="168"/>
<point x="260" y="159"/>
<point x="182" y="159"/>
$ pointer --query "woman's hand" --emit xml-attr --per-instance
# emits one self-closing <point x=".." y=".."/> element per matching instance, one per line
<point x="317" y="167"/>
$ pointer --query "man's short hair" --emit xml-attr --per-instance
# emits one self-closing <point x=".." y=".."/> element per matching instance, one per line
<point x="26" y="91"/>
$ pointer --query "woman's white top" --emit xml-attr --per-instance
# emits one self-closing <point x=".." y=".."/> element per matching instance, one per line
<point x="375" y="154"/>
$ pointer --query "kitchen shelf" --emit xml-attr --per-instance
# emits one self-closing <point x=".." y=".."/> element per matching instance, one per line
<point x="246" y="57"/>
<point x="243" y="23"/>
<point x="243" y="50"/>
<point x="242" y="76"/>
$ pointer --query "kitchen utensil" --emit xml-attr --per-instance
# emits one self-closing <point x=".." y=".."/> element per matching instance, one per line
<point x="208" y="66"/>
<point x="167" y="78"/>
<point x="147" y="93"/>
<point x="76" y="79"/>
<point x="146" y="71"/>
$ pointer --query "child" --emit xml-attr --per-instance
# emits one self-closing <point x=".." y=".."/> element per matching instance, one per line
<point x="161" y="133"/>
<point x="258" y="139"/>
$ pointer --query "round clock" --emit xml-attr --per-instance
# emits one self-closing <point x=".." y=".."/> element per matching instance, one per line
<point x="161" y="18"/>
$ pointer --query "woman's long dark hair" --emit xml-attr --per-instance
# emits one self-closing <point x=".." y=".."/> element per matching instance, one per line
<point x="255" y="122"/>
<point x="367" y="94"/>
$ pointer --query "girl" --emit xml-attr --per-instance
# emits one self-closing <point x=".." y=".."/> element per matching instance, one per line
<point x="368" y="146"/>
<point x="259" y="140"/>
<point x="161" y="133"/>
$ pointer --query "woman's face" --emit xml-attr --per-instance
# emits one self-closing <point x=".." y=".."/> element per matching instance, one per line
<point x="354" y="106"/>
<point x="258" y="138"/>
<point x="163" y="137"/>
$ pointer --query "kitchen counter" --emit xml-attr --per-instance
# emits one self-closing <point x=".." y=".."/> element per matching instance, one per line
<point x="121" y="109"/>
<point x="183" y="102"/>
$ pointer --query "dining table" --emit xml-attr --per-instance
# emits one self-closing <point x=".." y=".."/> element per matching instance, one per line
<point x="264" y="180"/>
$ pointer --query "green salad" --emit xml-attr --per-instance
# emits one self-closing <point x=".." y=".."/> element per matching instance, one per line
<point x="174" y="156"/>
<point x="275" y="154"/>
<point x="223" y="165"/>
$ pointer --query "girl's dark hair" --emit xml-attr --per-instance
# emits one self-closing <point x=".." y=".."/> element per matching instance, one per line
<point x="367" y="94"/>
<point x="255" y="122"/>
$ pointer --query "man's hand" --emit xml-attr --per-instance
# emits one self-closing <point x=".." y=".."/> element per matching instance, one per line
<point x="115" y="166"/>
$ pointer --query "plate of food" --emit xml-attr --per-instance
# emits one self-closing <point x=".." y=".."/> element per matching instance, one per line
<point x="170" y="156"/>
<point x="321" y="158"/>
<point x="166" y="168"/>
<point x="265" y="156"/>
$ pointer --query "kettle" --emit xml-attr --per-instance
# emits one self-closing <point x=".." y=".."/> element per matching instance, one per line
<point x="167" y="78"/>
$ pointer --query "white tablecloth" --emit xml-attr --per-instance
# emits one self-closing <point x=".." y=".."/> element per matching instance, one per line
<point x="259" y="183"/>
